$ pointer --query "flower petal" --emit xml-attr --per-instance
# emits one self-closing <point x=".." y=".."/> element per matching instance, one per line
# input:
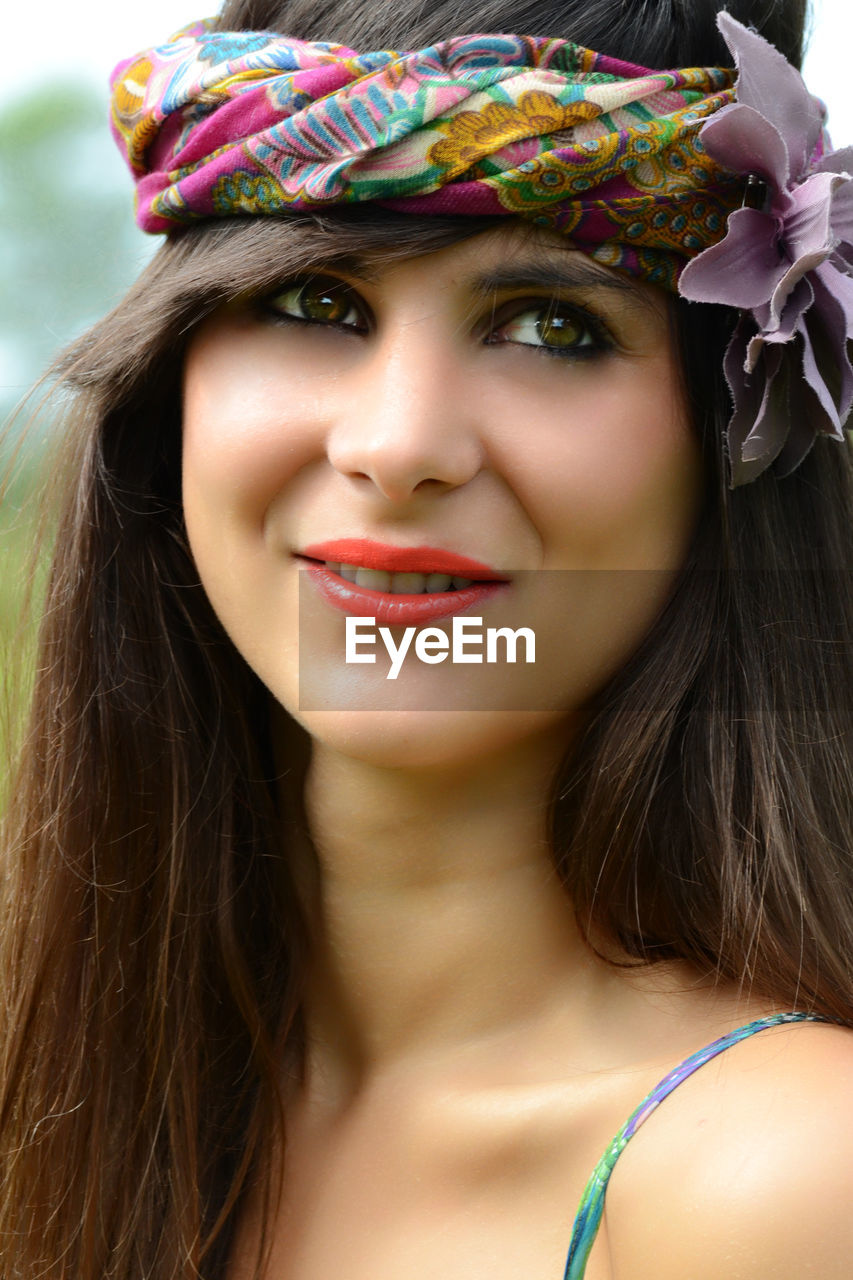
<point x="798" y="302"/>
<point x="807" y="238"/>
<point x="769" y="430"/>
<point x="816" y="359"/>
<point x="840" y="285"/>
<point x="758" y="425"/>
<point x="840" y="161"/>
<point x="806" y="421"/>
<point x="804" y="412"/>
<point x="841" y="259"/>
<point x="741" y="139"/>
<point x="768" y="82"/>
<point x="742" y="270"/>
<point x="826" y="357"/>
<point x="833" y="316"/>
<point x="842" y="209"/>
<point x="808" y="219"/>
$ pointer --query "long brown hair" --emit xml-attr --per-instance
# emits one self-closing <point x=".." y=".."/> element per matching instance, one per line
<point x="153" y="949"/>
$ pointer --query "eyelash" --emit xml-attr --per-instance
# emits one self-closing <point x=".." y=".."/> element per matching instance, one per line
<point x="595" y="338"/>
<point x="331" y="288"/>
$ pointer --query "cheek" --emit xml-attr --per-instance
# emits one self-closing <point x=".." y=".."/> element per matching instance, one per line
<point x="241" y="443"/>
<point x="249" y="423"/>
<point x="611" y="474"/>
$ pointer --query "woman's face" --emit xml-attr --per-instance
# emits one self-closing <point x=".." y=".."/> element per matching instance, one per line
<point x="506" y="401"/>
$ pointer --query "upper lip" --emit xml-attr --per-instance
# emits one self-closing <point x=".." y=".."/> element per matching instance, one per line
<point x="367" y="554"/>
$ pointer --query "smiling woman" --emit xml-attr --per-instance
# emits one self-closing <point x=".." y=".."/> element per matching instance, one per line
<point x="428" y="403"/>
<point x="307" y="970"/>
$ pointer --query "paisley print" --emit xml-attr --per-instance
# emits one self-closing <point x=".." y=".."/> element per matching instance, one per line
<point x="472" y="135"/>
<point x="215" y="124"/>
<point x="242" y="191"/>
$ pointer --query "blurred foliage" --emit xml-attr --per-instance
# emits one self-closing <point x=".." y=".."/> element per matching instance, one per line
<point x="68" y="246"/>
<point x="68" y="249"/>
<point x="19" y="566"/>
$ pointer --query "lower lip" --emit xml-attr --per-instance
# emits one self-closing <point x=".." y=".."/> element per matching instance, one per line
<point x="404" y="610"/>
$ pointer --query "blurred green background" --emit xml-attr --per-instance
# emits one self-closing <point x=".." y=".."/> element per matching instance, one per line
<point x="68" y="249"/>
<point x="68" y="244"/>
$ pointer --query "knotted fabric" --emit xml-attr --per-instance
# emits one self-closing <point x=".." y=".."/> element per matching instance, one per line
<point x="228" y="123"/>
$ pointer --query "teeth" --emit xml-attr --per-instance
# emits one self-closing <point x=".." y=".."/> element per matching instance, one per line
<point x="410" y="584"/>
<point x="375" y="579"/>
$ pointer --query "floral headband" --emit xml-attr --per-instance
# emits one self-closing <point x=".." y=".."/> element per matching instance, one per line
<point x="710" y="181"/>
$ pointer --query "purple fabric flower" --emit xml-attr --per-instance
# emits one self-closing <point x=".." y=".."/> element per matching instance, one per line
<point x="788" y="265"/>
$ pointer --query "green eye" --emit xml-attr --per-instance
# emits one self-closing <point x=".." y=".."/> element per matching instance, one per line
<point x="561" y="330"/>
<point x="317" y="301"/>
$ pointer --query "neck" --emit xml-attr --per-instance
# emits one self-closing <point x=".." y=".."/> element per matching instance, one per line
<point x="439" y="921"/>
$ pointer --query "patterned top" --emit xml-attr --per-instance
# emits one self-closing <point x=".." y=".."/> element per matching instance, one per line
<point x="591" y="1206"/>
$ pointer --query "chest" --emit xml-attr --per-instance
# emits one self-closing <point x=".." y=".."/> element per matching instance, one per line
<point x="484" y="1189"/>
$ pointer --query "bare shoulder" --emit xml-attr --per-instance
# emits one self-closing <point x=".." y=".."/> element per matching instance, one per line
<point x="746" y="1170"/>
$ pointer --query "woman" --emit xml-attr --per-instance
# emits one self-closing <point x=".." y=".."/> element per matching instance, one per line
<point x="303" y="976"/>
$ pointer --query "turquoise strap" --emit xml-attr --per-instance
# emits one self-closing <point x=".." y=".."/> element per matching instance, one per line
<point x="591" y="1205"/>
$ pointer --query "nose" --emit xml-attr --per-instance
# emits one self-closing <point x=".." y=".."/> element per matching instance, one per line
<point x="406" y="417"/>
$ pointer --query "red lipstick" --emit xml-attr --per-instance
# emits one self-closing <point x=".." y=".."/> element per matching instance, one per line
<point x="387" y="608"/>
<point x="378" y="555"/>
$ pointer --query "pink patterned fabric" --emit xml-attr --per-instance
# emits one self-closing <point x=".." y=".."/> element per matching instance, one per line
<point x="226" y="123"/>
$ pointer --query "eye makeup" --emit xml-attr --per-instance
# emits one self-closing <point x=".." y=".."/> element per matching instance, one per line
<point x="316" y="299"/>
<point x="554" y="304"/>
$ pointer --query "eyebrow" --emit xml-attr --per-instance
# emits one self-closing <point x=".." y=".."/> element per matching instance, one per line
<point x="569" y="273"/>
<point x="573" y="274"/>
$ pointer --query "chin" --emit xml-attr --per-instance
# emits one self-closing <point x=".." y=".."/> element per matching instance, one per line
<point x="427" y="739"/>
